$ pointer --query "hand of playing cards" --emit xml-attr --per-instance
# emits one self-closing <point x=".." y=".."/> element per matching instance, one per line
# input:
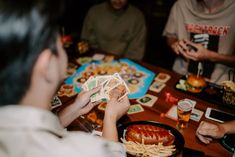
<point x="108" y="83"/>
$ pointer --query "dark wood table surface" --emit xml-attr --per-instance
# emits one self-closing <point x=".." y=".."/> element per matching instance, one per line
<point x="157" y="113"/>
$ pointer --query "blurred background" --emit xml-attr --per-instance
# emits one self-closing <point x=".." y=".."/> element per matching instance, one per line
<point x="156" y="13"/>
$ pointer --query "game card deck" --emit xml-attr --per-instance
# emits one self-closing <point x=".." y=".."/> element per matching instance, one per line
<point x="147" y="100"/>
<point x="162" y="77"/>
<point x="137" y="108"/>
<point x="107" y="84"/>
<point x="157" y="86"/>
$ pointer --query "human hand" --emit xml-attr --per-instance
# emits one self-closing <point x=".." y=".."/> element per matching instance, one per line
<point x="117" y="108"/>
<point x="193" y="51"/>
<point x="83" y="103"/>
<point x="207" y="131"/>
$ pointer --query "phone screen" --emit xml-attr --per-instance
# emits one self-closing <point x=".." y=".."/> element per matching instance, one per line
<point x="221" y="116"/>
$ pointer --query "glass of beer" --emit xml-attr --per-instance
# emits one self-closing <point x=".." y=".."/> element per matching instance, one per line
<point x="184" y="109"/>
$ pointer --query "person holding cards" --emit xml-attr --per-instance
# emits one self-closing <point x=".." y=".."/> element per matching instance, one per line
<point x="33" y="65"/>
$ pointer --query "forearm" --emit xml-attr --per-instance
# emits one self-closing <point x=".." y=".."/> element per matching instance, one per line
<point x="229" y="127"/>
<point x="68" y="114"/>
<point x="110" y="128"/>
<point x="225" y="59"/>
<point x="171" y="41"/>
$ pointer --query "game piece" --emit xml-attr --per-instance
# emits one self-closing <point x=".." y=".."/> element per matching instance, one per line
<point x="137" y="108"/>
<point x="157" y="86"/>
<point x="147" y="100"/>
<point x="108" y="58"/>
<point x="98" y="57"/>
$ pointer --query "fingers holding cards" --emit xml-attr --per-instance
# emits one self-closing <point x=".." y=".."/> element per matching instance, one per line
<point x="111" y="86"/>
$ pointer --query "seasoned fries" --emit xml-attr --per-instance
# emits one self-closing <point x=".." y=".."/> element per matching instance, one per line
<point x="143" y="150"/>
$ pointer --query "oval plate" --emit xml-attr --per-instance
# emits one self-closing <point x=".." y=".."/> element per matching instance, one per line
<point x="179" y="139"/>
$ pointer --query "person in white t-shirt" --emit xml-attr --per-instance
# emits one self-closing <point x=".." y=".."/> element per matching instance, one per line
<point x="202" y="35"/>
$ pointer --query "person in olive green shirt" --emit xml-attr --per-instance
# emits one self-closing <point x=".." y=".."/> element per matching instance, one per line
<point x="117" y="27"/>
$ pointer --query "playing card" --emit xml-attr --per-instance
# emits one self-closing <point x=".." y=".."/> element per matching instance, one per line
<point x="91" y="83"/>
<point x="137" y="108"/>
<point x="162" y="77"/>
<point x="157" y="86"/>
<point x="196" y="115"/>
<point x="55" y="102"/>
<point x="172" y="113"/>
<point x="122" y="89"/>
<point x="111" y="84"/>
<point x="147" y="100"/>
<point x="107" y="84"/>
<point x="102" y="79"/>
<point x="98" y="57"/>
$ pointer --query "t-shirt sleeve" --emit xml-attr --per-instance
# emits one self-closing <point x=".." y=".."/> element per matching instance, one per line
<point x="171" y="27"/>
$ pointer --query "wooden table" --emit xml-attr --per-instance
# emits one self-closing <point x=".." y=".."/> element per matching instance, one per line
<point x="157" y="112"/>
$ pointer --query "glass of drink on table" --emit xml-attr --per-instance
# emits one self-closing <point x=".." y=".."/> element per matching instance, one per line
<point x="184" y="109"/>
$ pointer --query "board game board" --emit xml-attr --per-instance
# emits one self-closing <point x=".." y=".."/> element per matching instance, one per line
<point x="137" y="77"/>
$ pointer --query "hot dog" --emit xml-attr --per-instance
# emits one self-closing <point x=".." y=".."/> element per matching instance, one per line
<point x="150" y="134"/>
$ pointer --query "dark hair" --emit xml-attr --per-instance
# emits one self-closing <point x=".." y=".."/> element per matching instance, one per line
<point x="27" y="27"/>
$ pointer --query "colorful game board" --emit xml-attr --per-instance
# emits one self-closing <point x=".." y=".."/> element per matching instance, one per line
<point x="136" y="76"/>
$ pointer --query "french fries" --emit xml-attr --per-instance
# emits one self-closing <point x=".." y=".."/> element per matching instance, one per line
<point x="140" y="149"/>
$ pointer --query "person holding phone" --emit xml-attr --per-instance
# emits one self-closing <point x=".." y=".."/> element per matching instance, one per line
<point x="202" y="35"/>
<point x="206" y="131"/>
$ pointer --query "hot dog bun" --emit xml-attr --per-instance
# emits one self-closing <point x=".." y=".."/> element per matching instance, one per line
<point x="150" y="134"/>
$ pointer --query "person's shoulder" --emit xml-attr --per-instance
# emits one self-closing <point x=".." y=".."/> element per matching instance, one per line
<point x="97" y="7"/>
<point x="135" y="11"/>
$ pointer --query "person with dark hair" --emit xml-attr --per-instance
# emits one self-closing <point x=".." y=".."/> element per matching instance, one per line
<point x="117" y="27"/>
<point x="202" y="35"/>
<point x="32" y="66"/>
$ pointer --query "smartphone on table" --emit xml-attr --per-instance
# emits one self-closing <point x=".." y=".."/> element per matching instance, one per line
<point x="218" y="115"/>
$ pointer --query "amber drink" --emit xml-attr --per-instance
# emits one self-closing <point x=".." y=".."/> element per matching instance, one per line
<point x="184" y="109"/>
